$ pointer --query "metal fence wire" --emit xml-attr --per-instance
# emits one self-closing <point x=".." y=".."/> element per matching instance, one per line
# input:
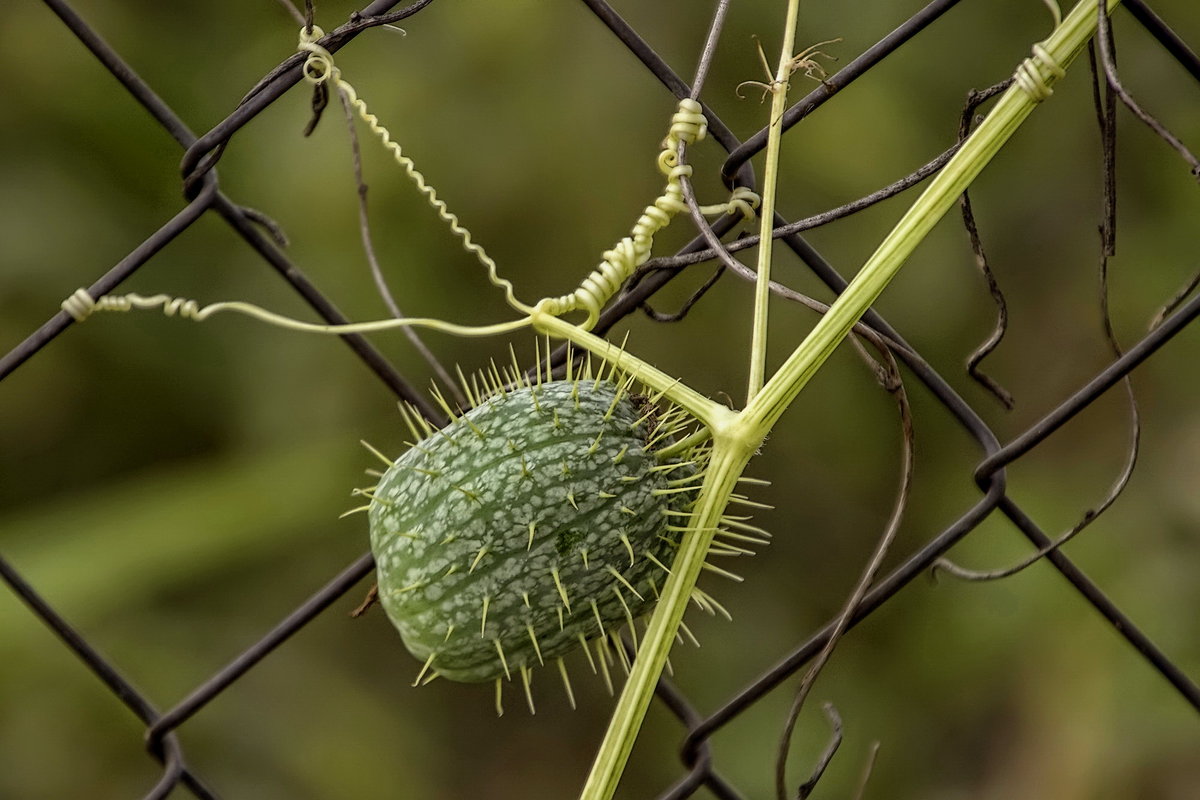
<point x="701" y="768"/>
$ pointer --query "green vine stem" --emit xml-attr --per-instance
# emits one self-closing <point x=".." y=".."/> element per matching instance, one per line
<point x="778" y="87"/>
<point x="737" y="437"/>
<point x="714" y="415"/>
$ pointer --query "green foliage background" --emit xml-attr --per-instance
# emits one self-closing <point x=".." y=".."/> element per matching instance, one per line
<point x="174" y="489"/>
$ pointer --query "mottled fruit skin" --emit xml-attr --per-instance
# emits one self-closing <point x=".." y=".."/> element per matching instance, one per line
<point x="528" y="524"/>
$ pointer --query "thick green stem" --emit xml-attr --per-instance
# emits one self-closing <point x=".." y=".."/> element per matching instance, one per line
<point x="729" y="458"/>
<point x="1010" y="111"/>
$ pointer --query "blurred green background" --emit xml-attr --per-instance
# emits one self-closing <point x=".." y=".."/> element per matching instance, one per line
<point x="174" y="489"/>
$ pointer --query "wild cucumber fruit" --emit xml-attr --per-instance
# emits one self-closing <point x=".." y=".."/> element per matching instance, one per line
<point x="538" y="520"/>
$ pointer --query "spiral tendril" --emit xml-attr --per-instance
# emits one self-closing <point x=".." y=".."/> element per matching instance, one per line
<point x="1036" y="74"/>
<point x="81" y="305"/>
<point x="319" y="68"/>
<point x="688" y="126"/>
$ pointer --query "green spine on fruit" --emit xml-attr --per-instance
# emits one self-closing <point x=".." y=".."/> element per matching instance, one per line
<point x="542" y="518"/>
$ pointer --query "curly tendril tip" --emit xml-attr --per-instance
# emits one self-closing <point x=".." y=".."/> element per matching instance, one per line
<point x="688" y="126"/>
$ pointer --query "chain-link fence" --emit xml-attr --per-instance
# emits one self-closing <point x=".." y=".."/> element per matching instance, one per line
<point x="703" y="768"/>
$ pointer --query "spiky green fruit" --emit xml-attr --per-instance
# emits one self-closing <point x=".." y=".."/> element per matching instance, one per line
<point x="534" y="522"/>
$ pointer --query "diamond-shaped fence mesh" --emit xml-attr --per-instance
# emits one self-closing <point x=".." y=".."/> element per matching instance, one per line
<point x="170" y="489"/>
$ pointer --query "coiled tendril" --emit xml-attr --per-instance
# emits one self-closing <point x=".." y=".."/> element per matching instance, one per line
<point x="688" y="126"/>
<point x="1036" y="74"/>
<point x="319" y="68"/>
<point x="80" y="305"/>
